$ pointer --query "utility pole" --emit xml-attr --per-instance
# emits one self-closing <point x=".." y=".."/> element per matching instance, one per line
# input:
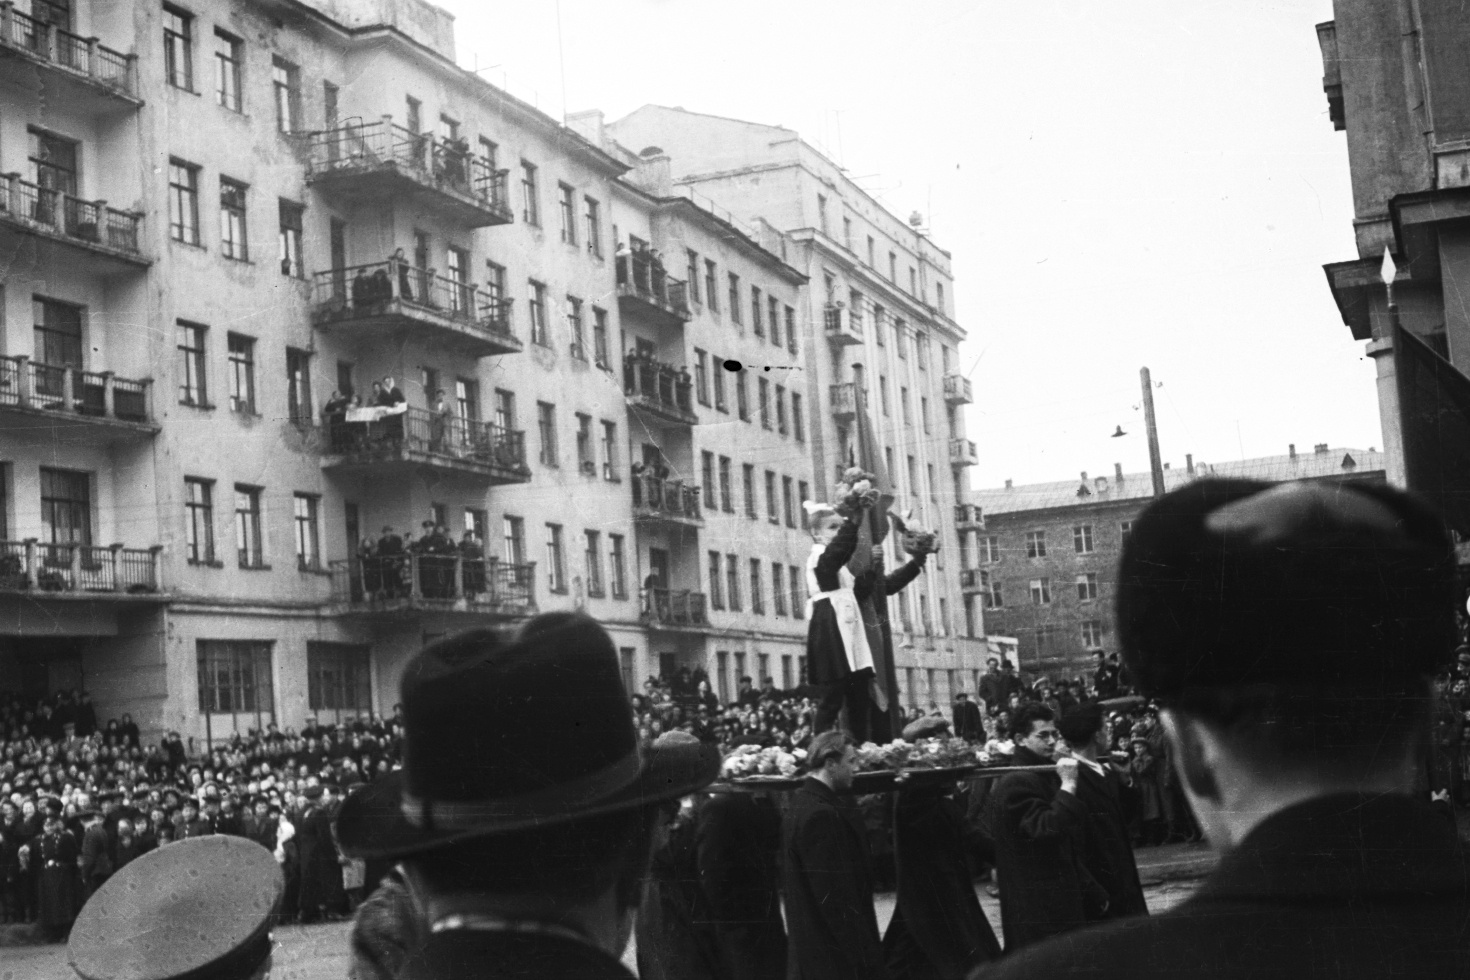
<point x="1155" y="462"/>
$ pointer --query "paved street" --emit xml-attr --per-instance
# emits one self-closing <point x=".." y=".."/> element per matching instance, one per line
<point x="320" y="952"/>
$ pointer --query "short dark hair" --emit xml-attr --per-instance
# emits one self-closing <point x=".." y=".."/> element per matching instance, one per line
<point x="1081" y="725"/>
<point x="828" y="745"/>
<point x="1026" y="714"/>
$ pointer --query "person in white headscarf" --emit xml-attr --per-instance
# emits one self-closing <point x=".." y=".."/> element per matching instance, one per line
<point x="839" y="658"/>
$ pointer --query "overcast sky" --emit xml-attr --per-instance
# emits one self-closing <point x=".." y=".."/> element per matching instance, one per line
<point x="1141" y="182"/>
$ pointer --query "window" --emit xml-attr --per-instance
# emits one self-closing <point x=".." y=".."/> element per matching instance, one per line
<point x="913" y="281"/>
<point x="530" y="208"/>
<point x="546" y="425"/>
<point x="599" y="339"/>
<point x="1082" y="539"/>
<point x="921" y="351"/>
<point x="757" y="322"/>
<point x="1041" y="592"/>
<point x="1125" y="528"/>
<point x="778" y="588"/>
<point x="880" y="325"/>
<point x="1087" y="587"/>
<point x="286" y="81"/>
<point x="513" y="534"/>
<point x="199" y="520"/>
<point x="707" y="477"/>
<point x="494" y="283"/>
<point x="308" y="546"/>
<point x="798" y="421"/>
<point x="847" y="232"/>
<point x="574" y="325"/>
<point x="556" y="576"/>
<point x="701" y="376"/>
<point x="787" y="508"/>
<point x="57" y="340"/>
<point x="726" y="504"/>
<point x="939" y="296"/>
<point x="66" y="506"/>
<point x="924" y="413"/>
<point x="734" y="298"/>
<point x="732" y="581"/>
<point x="490" y="150"/>
<point x="719" y="379"/>
<point x="773" y="310"/>
<point x="339" y="678"/>
<point x="763" y="400"/>
<point x="990" y="597"/>
<point x="413" y="121"/>
<point x="742" y="396"/>
<point x="757" y="594"/>
<point x="292" y="262"/>
<point x="781" y="410"/>
<point x="229" y="55"/>
<point x="716" y="592"/>
<point x="711" y="277"/>
<point x="594" y="564"/>
<point x="803" y="494"/>
<point x="989" y="549"/>
<point x="750" y="505"/>
<point x="1092" y="634"/>
<point x="183" y="201"/>
<point x="178" y="48"/>
<point x="461" y="296"/>
<point x="772" y="512"/>
<point x="192" y="390"/>
<point x="691" y="272"/>
<point x="233" y="241"/>
<point x="898" y="340"/>
<point x="593" y="214"/>
<point x="537" y="311"/>
<point x="610" y="452"/>
<point x="798" y="604"/>
<point x="242" y="373"/>
<point x="790" y="316"/>
<point x="329" y="105"/>
<point x="585" y="462"/>
<point x="871" y="245"/>
<point x="298" y="386"/>
<point x="567" y="201"/>
<point x="247" y="526"/>
<point x="618" y="573"/>
<point x="822" y="213"/>
<point x="235" y="678"/>
<point x="1035" y="544"/>
<point x="903" y="404"/>
<point x="883" y="394"/>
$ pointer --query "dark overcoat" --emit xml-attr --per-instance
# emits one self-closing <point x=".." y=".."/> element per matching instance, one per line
<point x="57" y="875"/>
<point x="828" y="886"/>
<point x="1349" y="887"/>
<point x="738" y="837"/>
<point x="461" y="954"/>
<point x="1107" y="850"/>
<point x="674" y="928"/>
<point x="1044" y="890"/>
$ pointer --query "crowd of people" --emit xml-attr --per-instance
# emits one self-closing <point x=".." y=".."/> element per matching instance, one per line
<point x="384" y="570"/>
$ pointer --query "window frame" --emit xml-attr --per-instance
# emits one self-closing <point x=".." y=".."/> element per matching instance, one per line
<point x="249" y="530"/>
<point x="183" y="202"/>
<point x="241" y="355"/>
<point x="306" y="521"/>
<point x="229" y="71"/>
<point x="178" y="41"/>
<point x="199" y="521"/>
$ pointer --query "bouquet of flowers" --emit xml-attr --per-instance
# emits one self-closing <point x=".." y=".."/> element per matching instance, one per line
<point x="856" y="490"/>
<point x="915" y="540"/>
<point x="752" y="760"/>
<point x="926" y="753"/>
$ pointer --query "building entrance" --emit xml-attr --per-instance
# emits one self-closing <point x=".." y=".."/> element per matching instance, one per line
<point x="35" y="666"/>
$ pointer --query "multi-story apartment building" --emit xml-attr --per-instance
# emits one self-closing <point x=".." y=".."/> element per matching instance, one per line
<point x="1043" y="558"/>
<point x="880" y="305"/>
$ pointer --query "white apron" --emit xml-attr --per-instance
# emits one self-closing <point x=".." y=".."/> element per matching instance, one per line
<point x="845" y="604"/>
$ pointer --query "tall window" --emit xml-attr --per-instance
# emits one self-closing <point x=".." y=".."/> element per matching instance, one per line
<point x="556" y="575"/>
<point x="803" y="493"/>
<point x="461" y="298"/>
<point x="530" y="208"/>
<point x="707" y="478"/>
<point x="567" y="203"/>
<point x="546" y="426"/>
<point x="763" y="401"/>
<point x="242" y="373"/>
<point x="247" y="526"/>
<point x="701" y="376"/>
<point x="1082" y="539"/>
<point x="790" y="317"/>
<point x="773" y="513"/>
<point x="537" y="313"/>
<point x="1092" y="634"/>
<point x="798" y="603"/>
<point x="1087" y="587"/>
<point x="178" y="48"/>
<point x="229" y="56"/>
<point x="599" y="339"/>
<point x="574" y="324"/>
<point x="610" y="451"/>
<point x="924" y="413"/>
<point x="308" y="547"/>
<point x="66" y="506"/>
<point x="617" y="567"/>
<point x="757" y="594"/>
<point x="750" y="501"/>
<point x="585" y="462"/>
<point x="742" y="396"/>
<point x="988" y="550"/>
<point x="292" y="261"/>
<point x="757" y="321"/>
<point x="726" y="504"/>
<point x="691" y="272"/>
<point x="719" y="385"/>
<point x="1041" y="591"/>
<point x="798" y="423"/>
<point x="716" y="590"/>
<point x="298" y="385"/>
<point x="513" y="532"/>
<point x="778" y="588"/>
<point x="734" y="298"/>
<point x="773" y="308"/>
<point x="339" y="679"/>
<point x="593" y="215"/>
<point x="711" y="279"/>
<point x="788" y="510"/>
<point x="781" y="410"/>
<point x="192" y="389"/>
<point x="183" y="201"/>
<point x="732" y="581"/>
<point x="594" y="564"/>
<point x="235" y="678"/>
<point x="233" y="241"/>
<point x="1035" y="544"/>
<point x="199" y="520"/>
<point x="1125" y="528"/>
<point x="495" y="283"/>
<point x="57" y="333"/>
<point x="286" y="82"/>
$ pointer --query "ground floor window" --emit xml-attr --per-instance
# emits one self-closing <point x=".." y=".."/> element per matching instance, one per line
<point x="235" y="679"/>
<point x="339" y="680"/>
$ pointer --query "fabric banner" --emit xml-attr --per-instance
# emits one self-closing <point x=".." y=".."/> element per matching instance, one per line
<point x="1434" y="417"/>
<point x="875" y="613"/>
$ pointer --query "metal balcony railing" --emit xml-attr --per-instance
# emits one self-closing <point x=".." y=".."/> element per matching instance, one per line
<point x="672" y="498"/>
<point x="368" y="290"/>
<point x="413" y="579"/>
<point x="25" y="383"/>
<point x="78" y="55"/>
<point x="658" y="384"/>
<point x="958" y="390"/>
<point x="643" y="277"/>
<point x="90" y="222"/>
<point x="76" y="567"/>
<point x="675" y="607"/>
<point x="417" y="430"/>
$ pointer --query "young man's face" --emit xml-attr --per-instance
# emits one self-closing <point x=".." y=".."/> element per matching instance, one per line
<point x="1043" y="739"/>
<point x="841" y="770"/>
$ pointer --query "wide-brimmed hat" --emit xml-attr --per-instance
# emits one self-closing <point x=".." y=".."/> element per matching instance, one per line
<point x="507" y="734"/>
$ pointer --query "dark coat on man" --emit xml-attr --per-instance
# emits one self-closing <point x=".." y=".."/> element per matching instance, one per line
<point x="1349" y="887"/>
<point x="675" y="927"/>
<point x="1038" y="829"/>
<point x="488" y="955"/>
<point x="996" y="688"/>
<point x="738" y="837"/>
<point x="1106" y="850"/>
<point x="828" y="886"/>
<point x="96" y="857"/>
<point x="938" y="930"/>
<point x="54" y="856"/>
<point x="967" y="723"/>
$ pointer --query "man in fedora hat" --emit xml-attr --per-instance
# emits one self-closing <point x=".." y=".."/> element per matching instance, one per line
<point x="1289" y="633"/>
<point x="522" y="840"/>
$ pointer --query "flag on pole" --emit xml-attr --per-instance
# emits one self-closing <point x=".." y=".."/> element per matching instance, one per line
<point x="872" y="532"/>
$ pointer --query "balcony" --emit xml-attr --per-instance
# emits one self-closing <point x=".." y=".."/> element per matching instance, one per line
<point x="45" y="403"/>
<point x="845" y="399"/>
<point x="962" y="453"/>
<point x="406" y="584"/>
<point x="66" y="227"/>
<point x="366" y="439"/>
<point x="957" y="389"/>
<point x="666" y="501"/>
<point x="646" y="291"/>
<point x="968" y="517"/>
<point x="82" y="571"/>
<point x="660" y="393"/>
<point x="375" y="163"/>
<point x="841" y="326"/>
<point x="85" y="75"/>
<point x="675" y="609"/>
<point x="972" y="580"/>
<point x="393" y="300"/>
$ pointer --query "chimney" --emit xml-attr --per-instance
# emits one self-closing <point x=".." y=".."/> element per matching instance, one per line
<point x="1101" y="483"/>
<point x="1084" y="476"/>
<point x="1189" y="463"/>
<point x="1320" y="448"/>
<point x="654" y="172"/>
<point x="587" y="124"/>
<point x="1291" y="450"/>
<point x="1118" y="472"/>
<point x="1008" y="484"/>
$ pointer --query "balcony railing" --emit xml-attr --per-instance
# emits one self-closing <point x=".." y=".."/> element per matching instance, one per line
<point x="381" y="147"/>
<point x="660" y="387"/>
<point x="675" y="499"/>
<point x="675" y="607"/>
<point x="409" y="580"/>
<point x="642" y="280"/>
<point x="86" y="222"/>
<point x="25" y="383"/>
<point x="969" y="515"/>
<point x="957" y="389"/>
<point x="74" y="567"/>
<point x="841" y="326"/>
<point x="845" y="398"/>
<point x="396" y="289"/>
<point x="77" y="55"/>
<point x="419" y="436"/>
<point x="962" y="453"/>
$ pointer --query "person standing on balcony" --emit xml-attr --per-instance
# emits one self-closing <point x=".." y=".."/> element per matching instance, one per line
<point x="405" y="287"/>
<point x="440" y="419"/>
<point x="391" y="398"/>
<point x="472" y="557"/>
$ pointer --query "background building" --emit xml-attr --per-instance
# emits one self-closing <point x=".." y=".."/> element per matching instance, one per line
<point x="1043" y="561"/>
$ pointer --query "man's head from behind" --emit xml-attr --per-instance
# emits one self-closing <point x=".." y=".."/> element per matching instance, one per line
<point x="1290" y="632"/>
<point x="1082" y="726"/>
